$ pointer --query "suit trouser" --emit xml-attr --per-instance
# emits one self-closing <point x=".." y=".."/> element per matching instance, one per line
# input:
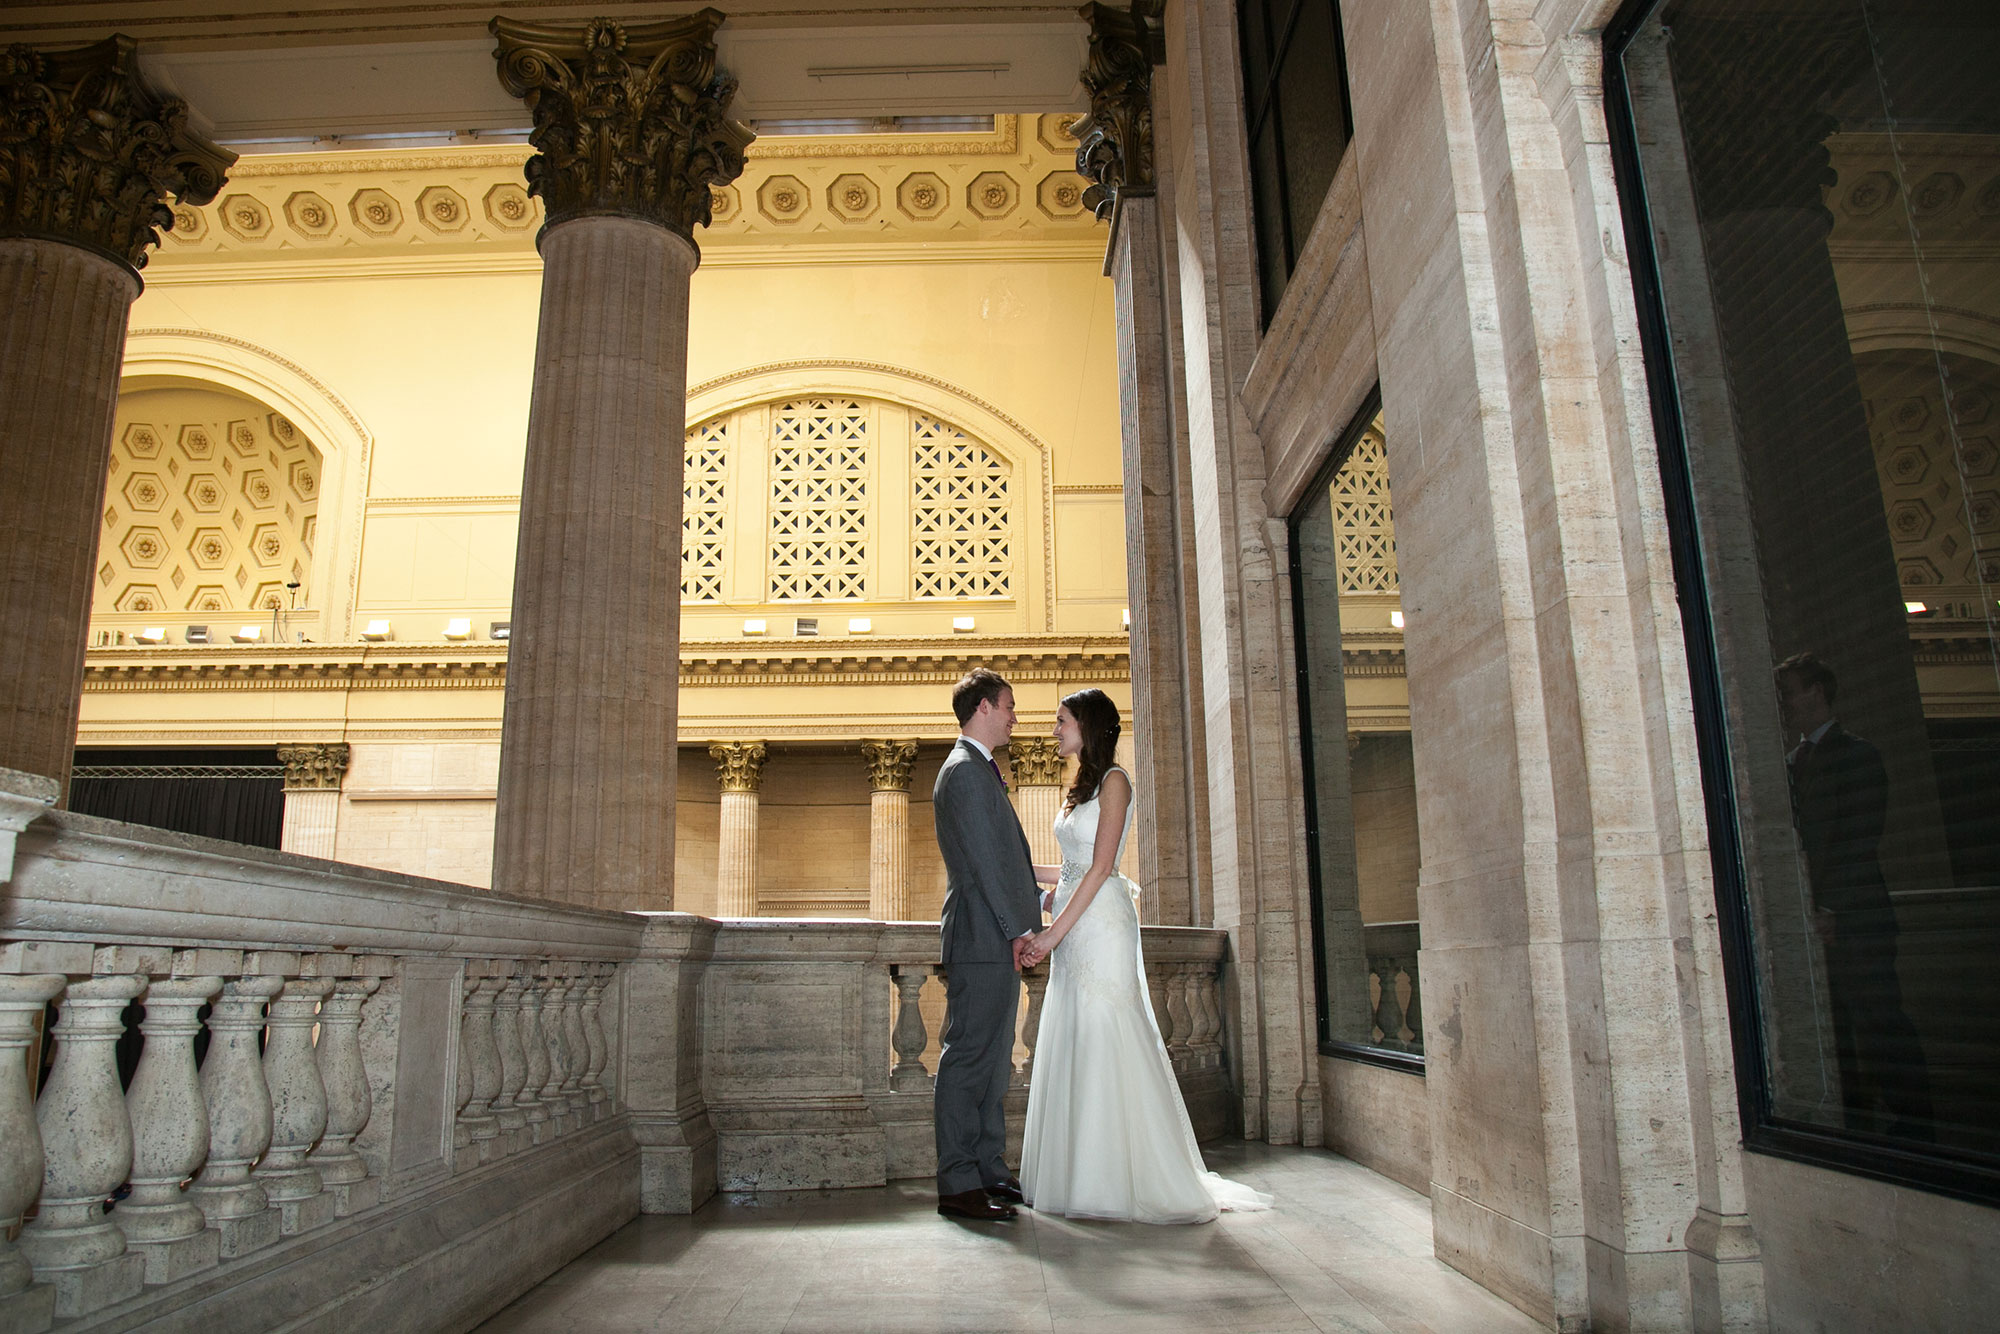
<point x="974" y="1069"/>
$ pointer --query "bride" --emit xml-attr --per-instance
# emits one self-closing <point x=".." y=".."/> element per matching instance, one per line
<point x="1107" y="1134"/>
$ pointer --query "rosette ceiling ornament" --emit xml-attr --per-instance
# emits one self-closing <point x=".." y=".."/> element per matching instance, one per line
<point x="89" y="154"/>
<point x="1115" y="141"/>
<point x="630" y="119"/>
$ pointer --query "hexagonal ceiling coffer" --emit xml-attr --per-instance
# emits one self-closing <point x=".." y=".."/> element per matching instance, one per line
<point x="922" y="196"/>
<point x="245" y="218"/>
<point x="144" y="491"/>
<point x="267" y="544"/>
<point x="144" y="548"/>
<point x="196" y="442"/>
<point x="140" y="597"/>
<point x="303" y="478"/>
<point x="310" y="215"/>
<point x="443" y="210"/>
<point x="141" y="440"/>
<point x="375" y="211"/>
<point x="257" y="488"/>
<point x="208" y="548"/>
<point x="783" y="199"/>
<point x="208" y="597"/>
<point x="992" y="194"/>
<point x="853" y="197"/>
<point x="204" y="492"/>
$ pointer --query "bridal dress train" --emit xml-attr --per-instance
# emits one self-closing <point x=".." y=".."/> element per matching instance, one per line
<point x="1107" y="1133"/>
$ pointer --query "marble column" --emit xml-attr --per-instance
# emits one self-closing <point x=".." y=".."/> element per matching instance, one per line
<point x="630" y="120"/>
<point x="88" y="156"/>
<point x="739" y="767"/>
<point x="889" y="764"/>
<point x="1038" y="792"/>
<point x="313" y="773"/>
<point x="1116" y="150"/>
<point x="22" y="1002"/>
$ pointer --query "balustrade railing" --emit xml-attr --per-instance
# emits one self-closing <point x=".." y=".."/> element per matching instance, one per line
<point x="365" y="1100"/>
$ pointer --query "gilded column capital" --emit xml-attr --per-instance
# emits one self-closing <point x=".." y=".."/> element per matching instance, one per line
<point x="889" y="764"/>
<point x="629" y="117"/>
<point x="739" y="765"/>
<point x="89" y="154"/>
<point x="1115" y="141"/>
<point x="314" y="766"/>
<point x="1035" y="762"/>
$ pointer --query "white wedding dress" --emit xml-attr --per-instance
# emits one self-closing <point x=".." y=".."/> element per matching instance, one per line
<point x="1107" y="1134"/>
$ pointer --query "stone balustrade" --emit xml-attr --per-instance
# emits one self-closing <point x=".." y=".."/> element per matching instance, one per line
<point x="367" y="1100"/>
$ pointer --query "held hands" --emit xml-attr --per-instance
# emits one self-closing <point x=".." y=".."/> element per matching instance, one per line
<point x="1031" y="949"/>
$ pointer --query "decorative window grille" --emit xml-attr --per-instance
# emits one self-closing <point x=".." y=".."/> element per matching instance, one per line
<point x="703" y="490"/>
<point x="959" y="528"/>
<point x="819" y="500"/>
<point x="1364" y="523"/>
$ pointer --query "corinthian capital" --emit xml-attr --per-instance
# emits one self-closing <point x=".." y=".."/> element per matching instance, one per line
<point x="739" y="765"/>
<point x="889" y="764"/>
<point x="629" y="118"/>
<point x="314" y="767"/>
<point x="89" y="154"/>
<point x="1034" y="761"/>
<point x="1115" y="141"/>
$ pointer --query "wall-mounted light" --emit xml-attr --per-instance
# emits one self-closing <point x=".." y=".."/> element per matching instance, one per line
<point x="1917" y="608"/>
<point x="860" y="625"/>
<point x="377" y="631"/>
<point x="961" y="624"/>
<point x="1125" y="619"/>
<point x="500" y="630"/>
<point x="1396" y="619"/>
<point x="248" y="634"/>
<point x="196" y="634"/>
<point x="753" y="627"/>
<point x="458" y="627"/>
<point x="805" y="627"/>
<point x="152" y="634"/>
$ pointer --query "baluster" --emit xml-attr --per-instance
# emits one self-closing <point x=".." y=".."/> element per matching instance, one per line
<point x="238" y="1102"/>
<point x="298" y="1107"/>
<point x="600" y="1050"/>
<point x="1413" y="1010"/>
<point x="480" y="1053"/>
<point x="463" y="1155"/>
<point x="513" y="1063"/>
<point x="576" y="1043"/>
<point x="22" y="1000"/>
<point x="87" y="1152"/>
<point x="535" y="1053"/>
<point x="558" y="1045"/>
<point x="1031" y="1026"/>
<point x="1156" y="992"/>
<point x="1181" y="1022"/>
<point x="909" y="1037"/>
<point x="1208" y="997"/>
<point x="169" y="1136"/>
<point x="1388" y="1013"/>
<point x="349" y="1102"/>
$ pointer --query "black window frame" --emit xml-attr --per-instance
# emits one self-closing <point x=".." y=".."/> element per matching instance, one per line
<point x="1895" y="1161"/>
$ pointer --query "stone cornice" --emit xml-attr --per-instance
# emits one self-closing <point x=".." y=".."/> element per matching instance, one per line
<point x="89" y="154"/>
<point x="630" y="120"/>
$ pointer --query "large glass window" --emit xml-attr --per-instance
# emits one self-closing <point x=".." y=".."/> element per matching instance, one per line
<point x="1295" y="108"/>
<point x="1361" y="792"/>
<point x="1814" y="193"/>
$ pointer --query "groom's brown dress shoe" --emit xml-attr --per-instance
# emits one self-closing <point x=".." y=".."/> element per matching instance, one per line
<point x="973" y="1204"/>
<point x="1008" y="1189"/>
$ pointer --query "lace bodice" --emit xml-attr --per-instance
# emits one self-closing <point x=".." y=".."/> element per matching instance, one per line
<point x="1076" y="838"/>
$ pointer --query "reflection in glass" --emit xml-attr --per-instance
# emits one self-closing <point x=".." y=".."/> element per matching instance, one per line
<point x="1822" y="184"/>
<point x="1361" y="793"/>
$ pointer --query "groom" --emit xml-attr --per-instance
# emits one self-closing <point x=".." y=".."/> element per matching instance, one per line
<point x="990" y="909"/>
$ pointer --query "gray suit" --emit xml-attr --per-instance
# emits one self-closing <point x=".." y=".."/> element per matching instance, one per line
<point x="989" y="900"/>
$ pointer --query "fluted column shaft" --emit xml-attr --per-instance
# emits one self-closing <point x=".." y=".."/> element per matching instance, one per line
<point x="889" y="764"/>
<point x="586" y="802"/>
<point x="739" y="768"/>
<point x="313" y="774"/>
<point x="63" y="313"/>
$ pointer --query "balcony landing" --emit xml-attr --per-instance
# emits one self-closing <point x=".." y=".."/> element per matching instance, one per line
<point x="1345" y="1250"/>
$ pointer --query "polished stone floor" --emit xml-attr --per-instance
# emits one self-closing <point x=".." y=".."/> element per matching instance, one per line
<point x="1344" y="1250"/>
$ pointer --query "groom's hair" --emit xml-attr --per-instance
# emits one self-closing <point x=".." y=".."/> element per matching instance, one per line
<point x="976" y="687"/>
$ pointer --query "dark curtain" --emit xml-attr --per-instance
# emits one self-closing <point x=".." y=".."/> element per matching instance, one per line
<point x="239" y="809"/>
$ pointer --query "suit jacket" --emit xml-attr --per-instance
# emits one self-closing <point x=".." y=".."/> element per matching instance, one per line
<point x="990" y="895"/>
<point x="1840" y="796"/>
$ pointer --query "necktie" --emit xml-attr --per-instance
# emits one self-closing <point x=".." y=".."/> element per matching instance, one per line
<point x="996" y="772"/>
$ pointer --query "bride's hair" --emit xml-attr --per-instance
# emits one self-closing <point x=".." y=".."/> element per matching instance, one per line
<point x="1097" y="719"/>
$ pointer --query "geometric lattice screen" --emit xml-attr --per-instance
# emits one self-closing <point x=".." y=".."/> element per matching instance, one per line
<point x="960" y="529"/>
<point x="211" y="506"/>
<point x="819" y="500"/>
<point x="1364" y="521"/>
<point x="702" y="511"/>
<point x="1939" y="468"/>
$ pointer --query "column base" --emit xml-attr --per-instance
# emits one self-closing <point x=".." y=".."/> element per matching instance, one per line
<point x="94" y="1287"/>
<point x="241" y="1236"/>
<point x="544" y="1131"/>
<point x="351" y="1197"/>
<point x="296" y="1216"/>
<point x="518" y="1140"/>
<point x="169" y="1260"/>
<point x="29" y="1311"/>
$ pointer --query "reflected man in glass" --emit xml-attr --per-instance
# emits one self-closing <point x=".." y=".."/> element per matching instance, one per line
<point x="1840" y="801"/>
